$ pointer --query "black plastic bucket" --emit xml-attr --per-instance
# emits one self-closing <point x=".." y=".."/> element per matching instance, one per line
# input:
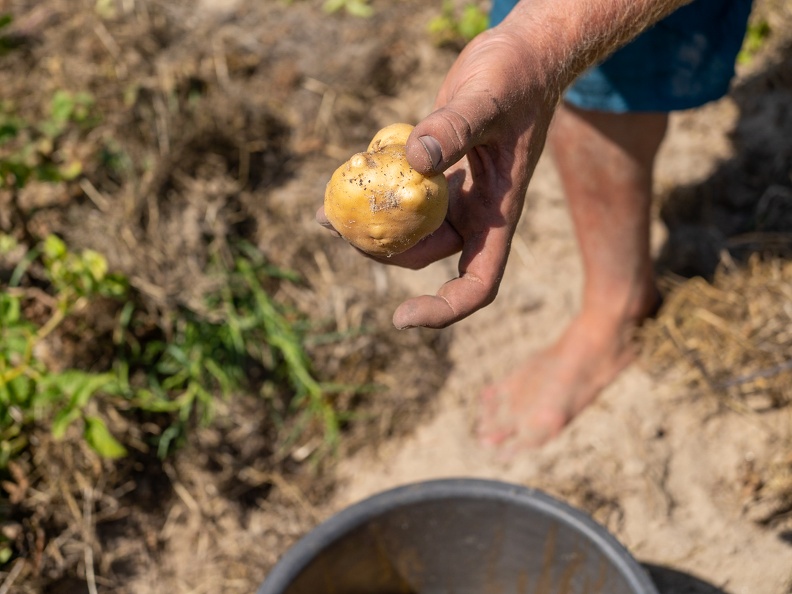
<point x="458" y="536"/>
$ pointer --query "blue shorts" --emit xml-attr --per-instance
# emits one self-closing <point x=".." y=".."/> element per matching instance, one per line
<point x="683" y="61"/>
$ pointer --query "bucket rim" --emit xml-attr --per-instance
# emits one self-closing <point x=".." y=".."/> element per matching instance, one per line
<point x="302" y="552"/>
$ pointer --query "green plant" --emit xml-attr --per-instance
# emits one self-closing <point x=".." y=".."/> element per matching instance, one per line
<point x="7" y="42"/>
<point x="205" y="355"/>
<point x="29" y="390"/>
<point x="451" y="27"/>
<point x="34" y="152"/>
<point x="756" y="37"/>
<point x="210" y="353"/>
<point x="358" y="8"/>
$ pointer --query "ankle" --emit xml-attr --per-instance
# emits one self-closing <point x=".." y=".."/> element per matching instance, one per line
<point x="607" y="328"/>
<point x="626" y="306"/>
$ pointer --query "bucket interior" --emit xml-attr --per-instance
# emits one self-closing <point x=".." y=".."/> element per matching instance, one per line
<point x="459" y="537"/>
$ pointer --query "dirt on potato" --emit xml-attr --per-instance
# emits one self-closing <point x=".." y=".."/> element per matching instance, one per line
<point x="379" y="203"/>
<point x="221" y="121"/>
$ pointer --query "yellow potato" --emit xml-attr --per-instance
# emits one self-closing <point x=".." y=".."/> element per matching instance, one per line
<point x="393" y="134"/>
<point x="380" y="204"/>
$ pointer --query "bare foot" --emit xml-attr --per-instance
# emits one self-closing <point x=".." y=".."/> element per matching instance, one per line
<point x="537" y="400"/>
<point x="606" y="172"/>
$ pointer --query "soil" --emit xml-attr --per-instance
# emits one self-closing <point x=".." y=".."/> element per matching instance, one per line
<point x="673" y="470"/>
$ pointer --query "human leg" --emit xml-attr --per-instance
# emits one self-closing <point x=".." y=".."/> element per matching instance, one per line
<point x="605" y="150"/>
<point x="605" y="162"/>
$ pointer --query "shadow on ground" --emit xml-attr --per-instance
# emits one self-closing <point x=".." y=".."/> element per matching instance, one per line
<point x="671" y="581"/>
<point x="745" y="207"/>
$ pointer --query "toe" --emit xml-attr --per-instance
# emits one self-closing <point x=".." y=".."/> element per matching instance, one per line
<point x="490" y="427"/>
<point x="542" y="427"/>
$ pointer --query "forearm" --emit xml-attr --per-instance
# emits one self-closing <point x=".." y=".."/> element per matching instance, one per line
<point x="564" y="37"/>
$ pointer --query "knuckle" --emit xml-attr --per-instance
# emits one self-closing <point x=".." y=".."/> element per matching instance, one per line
<point x="459" y="130"/>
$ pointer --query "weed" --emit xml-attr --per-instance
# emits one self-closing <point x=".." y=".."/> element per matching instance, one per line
<point x="7" y="42"/>
<point x="179" y="372"/>
<point x="205" y="355"/>
<point x="756" y="37"/>
<point x="451" y="28"/>
<point x="358" y="8"/>
<point x="29" y="390"/>
<point x="33" y="152"/>
<point x="214" y="352"/>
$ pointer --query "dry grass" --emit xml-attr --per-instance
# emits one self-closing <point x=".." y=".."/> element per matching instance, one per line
<point x="731" y="339"/>
<point x="725" y="328"/>
<point x="733" y="335"/>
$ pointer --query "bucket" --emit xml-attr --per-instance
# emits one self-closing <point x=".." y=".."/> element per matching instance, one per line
<point x="458" y="536"/>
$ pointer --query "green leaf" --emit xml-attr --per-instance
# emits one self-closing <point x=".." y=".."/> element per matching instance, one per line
<point x="333" y="5"/>
<point x="473" y="22"/>
<point x="106" y="9"/>
<point x="10" y="310"/>
<point x="78" y="386"/>
<point x="54" y="248"/>
<point x="8" y="130"/>
<point x="7" y="243"/>
<point x="101" y="440"/>
<point x="14" y="173"/>
<point x="83" y="102"/>
<point x="150" y="401"/>
<point x="359" y="8"/>
<point x="48" y="172"/>
<point x="221" y="376"/>
<point x="170" y="435"/>
<point x="22" y="267"/>
<point x="755" y="39"/>
<point x="95" y="263"/>
<point x="51" y="129"/>
<point x="63" y="420"/>
<point x="70" y="171"/>
<point x="18" y="341"/>
<point x="92" y="383"/>
<point x="62" y="106"/>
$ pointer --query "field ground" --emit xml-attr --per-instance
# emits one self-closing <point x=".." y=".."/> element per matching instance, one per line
<point x="687" y="458"/>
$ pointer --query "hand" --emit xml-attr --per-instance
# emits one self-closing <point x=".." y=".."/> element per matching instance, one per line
<point x="489" y="128"/>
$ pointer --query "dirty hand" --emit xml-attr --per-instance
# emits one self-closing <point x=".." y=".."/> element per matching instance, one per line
<point x="488" y="130"/>
<point x="487" y="133"/>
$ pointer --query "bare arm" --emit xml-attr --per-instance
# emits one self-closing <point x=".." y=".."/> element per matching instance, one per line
<point x="557" y="40"/>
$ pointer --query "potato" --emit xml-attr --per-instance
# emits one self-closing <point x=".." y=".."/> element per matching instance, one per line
<point x="393" y="134"/>
<point x="380" y="204"/>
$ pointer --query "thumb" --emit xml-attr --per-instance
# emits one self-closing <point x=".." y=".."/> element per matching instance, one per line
<point x="446" y="135"/>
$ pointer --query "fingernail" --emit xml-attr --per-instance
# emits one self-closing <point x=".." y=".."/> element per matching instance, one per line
<point x="433" y="150"/>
